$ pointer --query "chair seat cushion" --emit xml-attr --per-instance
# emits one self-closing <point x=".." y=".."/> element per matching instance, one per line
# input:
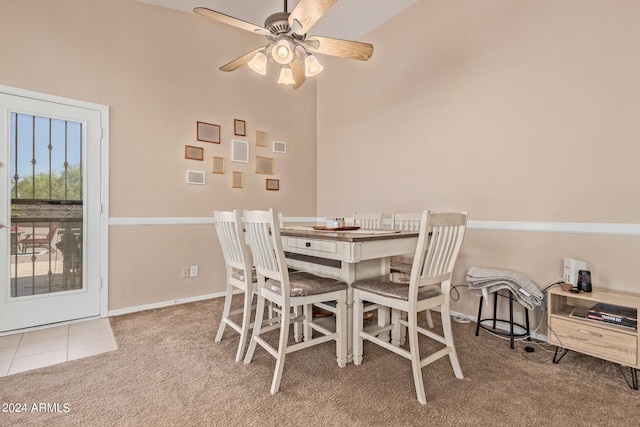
<point x="383" y="286"/>
<point x="239" y="275"/>
<point x="303" y="284"/>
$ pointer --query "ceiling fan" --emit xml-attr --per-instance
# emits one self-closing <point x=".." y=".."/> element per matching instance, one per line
<point x="289" y="46"/>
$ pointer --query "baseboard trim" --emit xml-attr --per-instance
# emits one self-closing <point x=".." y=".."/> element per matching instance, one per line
<point x="163" y="304"/>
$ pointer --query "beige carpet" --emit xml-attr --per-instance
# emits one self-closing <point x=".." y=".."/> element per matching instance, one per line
<point x="168" y="371"/>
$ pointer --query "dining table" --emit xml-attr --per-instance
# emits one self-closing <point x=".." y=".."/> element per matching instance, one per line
<point x="345" y="253"/>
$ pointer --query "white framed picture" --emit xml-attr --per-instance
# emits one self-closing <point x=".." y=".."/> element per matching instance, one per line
<point x="279" y="147"/>
<point x="239" y="151"/>
<point x="195" y="177"/>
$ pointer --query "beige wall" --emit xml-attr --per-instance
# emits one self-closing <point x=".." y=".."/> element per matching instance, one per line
<point x="512" y="110"/>
<point x="157" y="70"/>
<point x="515" y="111"/>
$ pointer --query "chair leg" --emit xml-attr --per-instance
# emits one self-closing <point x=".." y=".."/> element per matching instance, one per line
<point x="257" y="326"/>
<point x="298" y="332"/>
<point x="429" y="319"/>
<point x="383" y="320"/>
<point x="399" y="331"/>
<point x="412" y="334"/>
<point x="307" y="332"/>
<point x="225" y="313"/>
<point x="357" y="328"/>
<point x="282" y="350"/>
<point x="448" y="336"/>
<point x="246" y="322"/>
<point x="341" y="330"/>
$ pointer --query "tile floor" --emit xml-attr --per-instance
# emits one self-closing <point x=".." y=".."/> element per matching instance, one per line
<point x="45" y="347"/>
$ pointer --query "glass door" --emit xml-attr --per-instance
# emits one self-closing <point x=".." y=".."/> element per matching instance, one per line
<point x="50" y="157"/>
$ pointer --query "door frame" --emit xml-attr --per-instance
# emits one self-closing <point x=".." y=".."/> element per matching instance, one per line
<point x="103" y="110"/>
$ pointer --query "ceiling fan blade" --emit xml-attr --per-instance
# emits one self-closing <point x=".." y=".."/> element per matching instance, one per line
<point x="298" y="73"/>
<point x="229" y="20"/>
<point x="239" y="62"/>
<point x="337" y="47"/>
<point x="307" y="13"/>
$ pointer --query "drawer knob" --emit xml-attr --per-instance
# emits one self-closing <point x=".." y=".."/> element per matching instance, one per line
<point x="308" y="244"/>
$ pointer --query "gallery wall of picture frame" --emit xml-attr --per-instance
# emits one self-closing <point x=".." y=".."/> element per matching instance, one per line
<point x="240" y="152"/>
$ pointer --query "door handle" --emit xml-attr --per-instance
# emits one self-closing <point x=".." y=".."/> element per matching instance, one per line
<point x="2" y="225"/>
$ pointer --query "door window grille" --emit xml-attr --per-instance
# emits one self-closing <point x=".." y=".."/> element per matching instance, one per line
<point x="46" y="205"/>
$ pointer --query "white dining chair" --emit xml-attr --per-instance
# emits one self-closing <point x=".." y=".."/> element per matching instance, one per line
<point x="240" y="275"/>
<point x="441" y="236"/>
<point x="402" y="263"/>
<point x="287" y="291"/>
<point x="404" y="222"/>
<point x="369" y="221"/>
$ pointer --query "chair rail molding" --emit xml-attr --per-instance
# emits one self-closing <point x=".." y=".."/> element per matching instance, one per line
<point x="600" y="228"/>
<point x="603" y="228"/>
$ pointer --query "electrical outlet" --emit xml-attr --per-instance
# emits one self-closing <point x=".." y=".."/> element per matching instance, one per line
<point x="185" y="272"/>
<point x="194" y="271"/>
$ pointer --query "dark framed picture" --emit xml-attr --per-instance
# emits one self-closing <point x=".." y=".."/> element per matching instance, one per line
<point x="193" y="153"/>
<point x="239" y="127"/>
<point x="273" y="184"/>
<point x="208" y="132"/>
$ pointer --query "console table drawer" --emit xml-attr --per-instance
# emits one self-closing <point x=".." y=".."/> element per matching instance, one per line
<point x="313" y="245"/>
<point x="590" y="339"/>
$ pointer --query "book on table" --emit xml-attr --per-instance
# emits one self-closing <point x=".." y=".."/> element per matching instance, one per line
<point x="616" y="314"/>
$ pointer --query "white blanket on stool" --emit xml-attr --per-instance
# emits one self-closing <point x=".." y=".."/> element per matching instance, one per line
<point x="487" y="280"/>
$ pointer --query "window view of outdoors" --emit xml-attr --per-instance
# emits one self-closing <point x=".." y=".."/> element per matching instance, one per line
<point x="46" y="205"/>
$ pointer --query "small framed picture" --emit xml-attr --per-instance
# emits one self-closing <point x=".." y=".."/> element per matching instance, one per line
<point x="195" y="177"/>
<point x="239" y="151"/>
<point x="193" y="153"/>
<point x="237" y="179"/>
<point x="264" y="165"/>
<point x="261" y="138"/>
<point x="273" y="184"/>
<point x="279" y="147"/>
<point x="208" y="132"/>
<point x="217" y="165"/>
<point x="239" y="127"/>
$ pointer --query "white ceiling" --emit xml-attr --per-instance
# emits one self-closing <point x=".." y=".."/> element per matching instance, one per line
<point x="347" y="19"/>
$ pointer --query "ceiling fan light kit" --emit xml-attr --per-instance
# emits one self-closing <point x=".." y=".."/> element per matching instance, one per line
<point x="259" y="63"/>
<point x="288" y="45"/>
<point x="286" y="76"/>
<point x="311" y="66"/>
<point x="282" y="51"/>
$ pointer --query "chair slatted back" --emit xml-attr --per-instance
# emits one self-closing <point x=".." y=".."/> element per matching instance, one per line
<point x="406" y="221"/>
<point x="439" y="244"/>
<point x="263" y="234"/>
<point x="231" y="236"/>
<point x="369" y="221"/>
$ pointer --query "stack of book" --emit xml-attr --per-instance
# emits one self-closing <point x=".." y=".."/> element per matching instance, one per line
<point x="618" y="315"/>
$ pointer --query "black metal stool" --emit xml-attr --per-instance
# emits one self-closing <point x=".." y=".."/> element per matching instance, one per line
<point x="493" y="330"/>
